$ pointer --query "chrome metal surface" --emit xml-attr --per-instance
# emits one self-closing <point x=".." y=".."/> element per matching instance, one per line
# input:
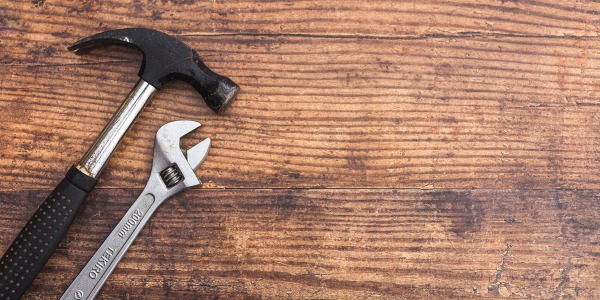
<point x="95" y="159"/>
<point x="167" y="153"/>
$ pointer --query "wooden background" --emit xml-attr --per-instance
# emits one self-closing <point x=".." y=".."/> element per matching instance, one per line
<point x="378" y="149"/>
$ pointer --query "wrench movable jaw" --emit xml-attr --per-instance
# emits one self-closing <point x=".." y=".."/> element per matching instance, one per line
<point x="198" y="153"/>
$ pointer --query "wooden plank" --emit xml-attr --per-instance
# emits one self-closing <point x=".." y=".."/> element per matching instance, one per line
<point x="388" y="18"/>
<point x="344" y="105"/>
<point x="333" y="244"/>
<point x="330" y="112"/>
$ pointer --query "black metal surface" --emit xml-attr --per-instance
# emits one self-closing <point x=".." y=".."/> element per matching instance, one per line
<point x="166" y="59"/>
<point x="36" y="242"/>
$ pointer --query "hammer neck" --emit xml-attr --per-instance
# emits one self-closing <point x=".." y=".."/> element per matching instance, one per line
<point x="95" y="159"/>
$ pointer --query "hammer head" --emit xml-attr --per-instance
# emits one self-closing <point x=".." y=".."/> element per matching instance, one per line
<point x="167" y="59"/>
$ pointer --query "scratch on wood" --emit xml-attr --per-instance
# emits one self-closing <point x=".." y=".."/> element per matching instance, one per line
<point x="503" y="263"/>
<point x="502" y="288"/>
<point x="564" y="278"/>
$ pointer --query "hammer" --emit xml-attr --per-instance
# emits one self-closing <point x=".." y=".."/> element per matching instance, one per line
<point x="165" y="59"/>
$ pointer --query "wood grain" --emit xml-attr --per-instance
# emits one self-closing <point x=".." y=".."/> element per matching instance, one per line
<point x="437" y="113"/>
<point x="388" y="18"/>
<point x="331" y="244"/>
<point x="386" y="149"/>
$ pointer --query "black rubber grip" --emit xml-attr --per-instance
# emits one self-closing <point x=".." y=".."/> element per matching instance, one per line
<point x="34" y="245"/>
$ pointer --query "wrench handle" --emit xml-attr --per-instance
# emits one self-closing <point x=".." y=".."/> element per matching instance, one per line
<point x="95" y="273"/>
<point x="44" y="231"/>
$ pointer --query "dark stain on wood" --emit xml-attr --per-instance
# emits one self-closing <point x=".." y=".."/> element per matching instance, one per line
<point x="467" y="212"/>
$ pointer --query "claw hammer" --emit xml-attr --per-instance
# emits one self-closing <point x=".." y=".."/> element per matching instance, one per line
<point x="165" y="59"/>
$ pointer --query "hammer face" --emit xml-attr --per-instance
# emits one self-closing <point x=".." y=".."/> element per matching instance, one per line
<point x="165" y="59"/>
<point x="219" y="96"/>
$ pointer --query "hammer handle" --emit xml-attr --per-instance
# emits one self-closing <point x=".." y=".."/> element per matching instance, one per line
<point x="34" y="245"/>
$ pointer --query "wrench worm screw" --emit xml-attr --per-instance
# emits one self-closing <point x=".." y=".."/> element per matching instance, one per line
<point x="171" y="176"/>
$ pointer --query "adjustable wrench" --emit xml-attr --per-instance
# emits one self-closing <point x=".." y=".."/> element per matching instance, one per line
<point x="171" y="173"/>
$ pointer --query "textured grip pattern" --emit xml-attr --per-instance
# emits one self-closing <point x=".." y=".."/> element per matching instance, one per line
<point x="34" y="245"/>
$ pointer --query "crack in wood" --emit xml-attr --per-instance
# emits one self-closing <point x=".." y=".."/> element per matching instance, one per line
<point x="564" y="278"/>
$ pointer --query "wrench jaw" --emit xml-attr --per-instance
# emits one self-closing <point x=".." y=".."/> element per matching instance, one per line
<point x="168" y="152"/>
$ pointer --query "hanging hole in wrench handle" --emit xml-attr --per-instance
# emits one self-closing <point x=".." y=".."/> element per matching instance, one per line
<point x="34" y="245"/>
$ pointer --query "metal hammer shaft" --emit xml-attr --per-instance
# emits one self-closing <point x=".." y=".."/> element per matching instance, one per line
<point x="95" y="159"/>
